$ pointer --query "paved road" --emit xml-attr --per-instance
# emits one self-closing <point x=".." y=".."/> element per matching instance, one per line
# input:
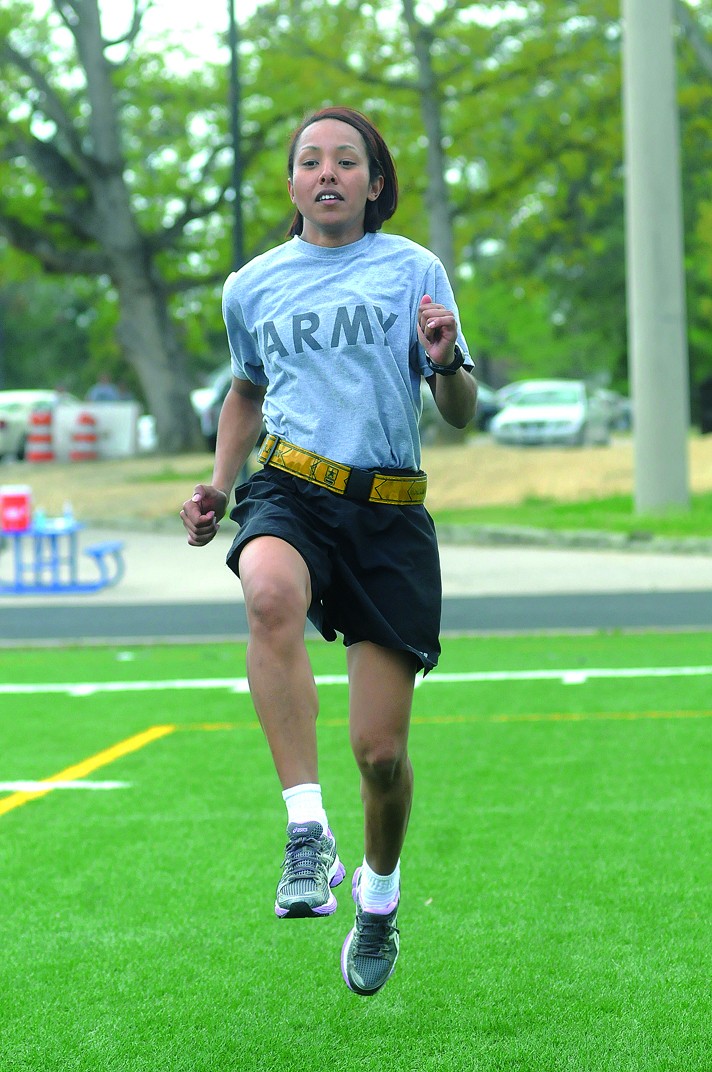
<point x="172" y="591"/>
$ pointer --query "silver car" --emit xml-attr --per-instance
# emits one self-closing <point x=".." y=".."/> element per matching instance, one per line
<point x="542" y="412"/>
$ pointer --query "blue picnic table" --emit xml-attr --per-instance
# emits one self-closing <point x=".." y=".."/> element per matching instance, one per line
<point x="46" y="559"/>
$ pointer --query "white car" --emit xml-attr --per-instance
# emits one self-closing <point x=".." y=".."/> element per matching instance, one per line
<point x="545" y="412"/>
<point x="16" y="408"/>
<point x="207" y="403"/>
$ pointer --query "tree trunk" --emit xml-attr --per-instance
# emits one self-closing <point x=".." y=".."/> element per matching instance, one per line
<point x="441" y="240"/>
<point x="145" y="332"/>
<point x="147" y="338"/>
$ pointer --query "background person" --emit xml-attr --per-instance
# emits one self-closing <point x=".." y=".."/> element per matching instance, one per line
<point x="104" y="390"/>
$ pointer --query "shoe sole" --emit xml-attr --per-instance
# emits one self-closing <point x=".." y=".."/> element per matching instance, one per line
<point x="303" y="910"/>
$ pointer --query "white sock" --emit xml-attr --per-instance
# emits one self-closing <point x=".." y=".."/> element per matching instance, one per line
<point x="378" y="893"/>
<point x="304" y="804"/>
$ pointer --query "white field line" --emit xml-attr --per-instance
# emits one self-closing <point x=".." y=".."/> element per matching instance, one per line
<point x="41" y="786"/>
<point x="571" y="676"/>
<point x="80" y="770"/>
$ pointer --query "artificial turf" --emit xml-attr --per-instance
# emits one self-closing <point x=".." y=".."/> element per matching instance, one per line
<point x="556" y="878"/>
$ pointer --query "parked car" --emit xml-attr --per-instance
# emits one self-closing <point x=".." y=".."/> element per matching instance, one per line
<point x="506" y="394"/>
<point x="488" y="405"/>
<point x="432" y="425"/>
<point x="552" y="412"/>
<point x="16" y="409"/>
<point x="618" y="409"/>
<point x="207" y="402"/>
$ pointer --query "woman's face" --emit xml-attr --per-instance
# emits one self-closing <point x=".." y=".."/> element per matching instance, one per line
<point x="330" y="184"/>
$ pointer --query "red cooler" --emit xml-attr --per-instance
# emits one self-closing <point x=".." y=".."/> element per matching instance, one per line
<point x="15" y="507"/>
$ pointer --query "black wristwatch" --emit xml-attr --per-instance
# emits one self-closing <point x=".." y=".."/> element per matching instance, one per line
<point x="448" y="370"/>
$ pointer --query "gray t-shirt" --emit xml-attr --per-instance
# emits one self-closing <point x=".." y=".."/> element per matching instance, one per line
<point x="331" y="333"/>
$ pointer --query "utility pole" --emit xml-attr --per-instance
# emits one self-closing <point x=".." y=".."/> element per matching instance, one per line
<point x="657" y="324"/>
<point x="238" y="249"/>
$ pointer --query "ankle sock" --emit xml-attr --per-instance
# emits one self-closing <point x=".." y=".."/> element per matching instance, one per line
<point x="378" y="893"/>
<point x="304" y="804"/>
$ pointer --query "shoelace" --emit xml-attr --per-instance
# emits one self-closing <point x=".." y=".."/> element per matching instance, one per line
<point x="302" y="857"/>
<point x="373" y="935"/>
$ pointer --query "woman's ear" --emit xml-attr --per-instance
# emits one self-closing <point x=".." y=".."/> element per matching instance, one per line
<point x="375" y="189"/>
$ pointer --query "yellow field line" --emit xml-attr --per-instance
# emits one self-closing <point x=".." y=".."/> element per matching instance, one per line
<point x="88" y="766"/>
<point x="140" y="740"/>
<point x="457" y="720"/>
<point x="601" y="716"/>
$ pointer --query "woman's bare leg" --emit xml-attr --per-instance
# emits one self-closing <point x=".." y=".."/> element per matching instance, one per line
<point x="381" y="682"/>
<point x="277" y="588"/>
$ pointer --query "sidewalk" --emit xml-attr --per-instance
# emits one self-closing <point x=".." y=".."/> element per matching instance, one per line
<point x="162" y="568"/>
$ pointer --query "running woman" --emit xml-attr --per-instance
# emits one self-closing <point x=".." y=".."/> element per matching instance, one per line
<point x="330" y="335"/>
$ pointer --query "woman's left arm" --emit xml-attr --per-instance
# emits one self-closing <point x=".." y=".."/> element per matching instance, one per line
<point x="454" y="391"/>
<point x="455" y="396"/>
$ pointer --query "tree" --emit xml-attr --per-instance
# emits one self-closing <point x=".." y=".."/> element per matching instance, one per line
<point x="45" y="325"/>
<point x="695" y="63"/>
<point x="70" y="198"/>
<point x="115" y="163"/>
<point x="512" y="167"/>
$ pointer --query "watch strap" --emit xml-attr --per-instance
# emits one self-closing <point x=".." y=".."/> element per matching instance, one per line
<point x="448" y="370"/>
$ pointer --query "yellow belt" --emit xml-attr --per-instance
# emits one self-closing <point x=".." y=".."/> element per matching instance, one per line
<point x="343" y="479"/>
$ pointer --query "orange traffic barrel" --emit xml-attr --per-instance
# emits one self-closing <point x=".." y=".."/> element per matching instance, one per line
<point x="84" y="439"/>
<point x="39" y="446"/>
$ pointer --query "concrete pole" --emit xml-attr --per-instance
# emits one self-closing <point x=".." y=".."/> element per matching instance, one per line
<point x="657" y="328"/>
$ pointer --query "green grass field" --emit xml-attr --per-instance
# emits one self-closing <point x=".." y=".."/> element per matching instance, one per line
<point x="556" y="878"/>
<point x="613" y="514"/>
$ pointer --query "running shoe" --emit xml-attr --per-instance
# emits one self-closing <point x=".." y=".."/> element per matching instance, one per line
<point x="370" y="952"/>
<point x="311" y="866"/>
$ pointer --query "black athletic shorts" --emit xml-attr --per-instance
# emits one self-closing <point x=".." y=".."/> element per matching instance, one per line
<point x="374" y="568"/>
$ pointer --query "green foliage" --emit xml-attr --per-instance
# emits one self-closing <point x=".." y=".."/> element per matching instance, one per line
<point x="557" y="221"/>
<point x="56" y="330"/>
<point x="696" y="107"/>
<point x="44" y="327"/>
<point x="530" y="110"/>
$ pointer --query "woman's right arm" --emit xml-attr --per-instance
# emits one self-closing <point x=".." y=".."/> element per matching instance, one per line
<point x="238" y="428"/>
